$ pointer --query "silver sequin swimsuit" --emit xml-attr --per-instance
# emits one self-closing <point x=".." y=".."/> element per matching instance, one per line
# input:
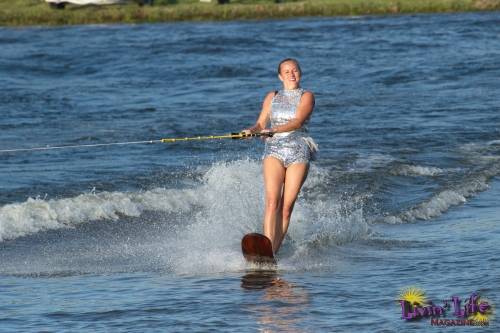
<point x="294" y="146"/>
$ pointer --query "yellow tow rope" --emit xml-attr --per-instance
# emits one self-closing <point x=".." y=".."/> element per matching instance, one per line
<point x="164" y="140"/>
<point x="214" y="137"/>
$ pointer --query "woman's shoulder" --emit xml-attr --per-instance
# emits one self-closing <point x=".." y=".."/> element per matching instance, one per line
<point x="308" y="95"/>
<point x="307" y="92"/>
<point x="270" y="95"/>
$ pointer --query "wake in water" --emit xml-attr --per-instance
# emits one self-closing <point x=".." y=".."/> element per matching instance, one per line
<point x="482" y="161"/>
<point x="198" y="228"/>
<point x="187" y="230"/>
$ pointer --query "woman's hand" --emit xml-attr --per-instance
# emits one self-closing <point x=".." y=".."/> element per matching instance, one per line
<point x="268" y="132"/>
<point x="254" y="129"/>
<point x="247" y="131"/>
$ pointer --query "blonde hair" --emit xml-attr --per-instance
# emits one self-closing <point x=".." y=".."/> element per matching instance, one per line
<point x="289" y="59"/>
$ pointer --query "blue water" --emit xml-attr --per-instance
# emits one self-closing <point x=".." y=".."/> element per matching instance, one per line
<point x="145" y="237"/>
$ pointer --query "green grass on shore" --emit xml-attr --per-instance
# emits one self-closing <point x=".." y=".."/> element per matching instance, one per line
<point x="37" y="12"/>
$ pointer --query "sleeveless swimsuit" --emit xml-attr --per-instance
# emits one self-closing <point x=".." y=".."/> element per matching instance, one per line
<point x="294" y="146"/>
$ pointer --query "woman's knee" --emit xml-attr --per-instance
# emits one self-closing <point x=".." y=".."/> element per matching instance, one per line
<point x="272" y="204"/>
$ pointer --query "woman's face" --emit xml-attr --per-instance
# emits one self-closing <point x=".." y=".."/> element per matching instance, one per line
<point x="290" y="74"/>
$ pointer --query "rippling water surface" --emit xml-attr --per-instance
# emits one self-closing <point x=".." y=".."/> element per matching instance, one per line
<point x="146" y="236"/>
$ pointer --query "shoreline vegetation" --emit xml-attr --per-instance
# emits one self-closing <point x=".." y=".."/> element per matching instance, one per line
<point x="38" y="12"/>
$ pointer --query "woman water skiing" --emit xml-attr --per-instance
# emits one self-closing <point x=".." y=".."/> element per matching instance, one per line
<point x="288" y="151"/>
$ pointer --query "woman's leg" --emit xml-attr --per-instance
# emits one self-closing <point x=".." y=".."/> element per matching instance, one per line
<point x="274" y="177"/>
<point x="295" y="176"/>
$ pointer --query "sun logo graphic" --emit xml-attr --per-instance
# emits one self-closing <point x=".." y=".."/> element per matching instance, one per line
<point x="482" y="317"/>
<point x="414" y="304"/>
<point x="413" y="295"/>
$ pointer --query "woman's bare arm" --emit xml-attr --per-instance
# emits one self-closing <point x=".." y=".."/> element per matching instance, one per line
<point x="264" y="114"/>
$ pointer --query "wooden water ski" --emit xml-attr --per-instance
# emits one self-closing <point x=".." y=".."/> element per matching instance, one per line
<point x="257" y="248"/>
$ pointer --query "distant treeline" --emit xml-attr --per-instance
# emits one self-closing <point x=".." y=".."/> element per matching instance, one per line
<point x="38" y="12"/>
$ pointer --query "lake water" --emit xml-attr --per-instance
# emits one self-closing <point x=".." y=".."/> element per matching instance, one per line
<point x="146" y="237"/>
